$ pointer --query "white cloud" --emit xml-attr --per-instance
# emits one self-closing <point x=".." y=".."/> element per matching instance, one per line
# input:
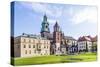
<point x="52" y="21"/>
<point x="40" y="8"/>
<point x="88" y="14"/>
<point x="77" y="15"/>
<point x="52" y="11"/>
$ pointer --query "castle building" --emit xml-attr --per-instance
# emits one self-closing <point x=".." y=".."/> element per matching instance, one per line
<point x="71" y="45"/>
<point x="94" y="44"/>
<point x="31" y="45"/>
<point x="84" y="44"/>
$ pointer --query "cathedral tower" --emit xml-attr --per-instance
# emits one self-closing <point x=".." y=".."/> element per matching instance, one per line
<point x="57" y="33"/>
<point x="45" y="31"/>
<point x="57" y="38"/>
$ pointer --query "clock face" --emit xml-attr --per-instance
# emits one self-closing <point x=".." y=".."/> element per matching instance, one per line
<point x="46" y="26"/>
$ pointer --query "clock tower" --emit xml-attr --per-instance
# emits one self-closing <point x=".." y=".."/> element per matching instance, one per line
<point x="45" y="31"/>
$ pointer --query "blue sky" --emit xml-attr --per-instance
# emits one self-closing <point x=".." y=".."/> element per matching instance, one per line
<point x="74" y="20"/>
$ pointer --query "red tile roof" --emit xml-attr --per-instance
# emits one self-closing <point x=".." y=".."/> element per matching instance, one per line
<point x="88" y="38"/>
<point x="94" y="39"/>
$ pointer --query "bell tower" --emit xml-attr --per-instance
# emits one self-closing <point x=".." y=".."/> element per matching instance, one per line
<point x="57" y="38"/>
<point x="57" y="33"/>
<point x="45" y="27"/>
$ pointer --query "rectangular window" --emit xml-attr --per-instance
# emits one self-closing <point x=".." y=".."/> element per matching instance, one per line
<point x="24" y="46"/>
<point x="30" y="52"/>
<point x="39" y="46"/>
<point x="24" y="40"/>
<point x="33" y="46"/>
<point x="29" y="46"/>
<point x="44" y="46"/>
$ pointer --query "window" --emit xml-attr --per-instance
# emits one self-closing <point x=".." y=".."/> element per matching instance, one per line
<point x="24" y="46"/>
<point x="44" y="46"/>
<point x="30" y="52"/>
<point x="46" y="26"/>
<point x="39" y="46"/>
<point x="33" y="46"/>
<point x="55" y="46"/>
<point x="58" y="38"/>
<point x="24" y="40"/>
<point x="29" y="46"/>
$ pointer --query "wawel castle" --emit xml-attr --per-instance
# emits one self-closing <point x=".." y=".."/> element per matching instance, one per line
<point x="48" y="43"/>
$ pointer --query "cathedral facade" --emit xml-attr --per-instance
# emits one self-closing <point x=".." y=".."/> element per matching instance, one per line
<point x="58" y="43"/>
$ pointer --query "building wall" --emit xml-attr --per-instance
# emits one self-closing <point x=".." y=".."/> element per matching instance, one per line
<point x="94" y="46"/>
<point x="57" y="49"/>
<point x="72" y="46"/>
<point x="63" y="50"/>
<point x="89" y="46"/>
<point x="82" y="45"/>
<point x="57" y="42"/>
<point x="17" y="47"/>
<point x="57" y="37"/>
<point x="33" y="47"/>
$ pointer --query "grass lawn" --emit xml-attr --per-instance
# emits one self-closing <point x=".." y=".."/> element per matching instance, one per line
<point x="55" y="59"/>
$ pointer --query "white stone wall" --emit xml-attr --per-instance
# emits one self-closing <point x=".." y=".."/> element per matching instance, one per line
<point x="57" y="49"/>
<point x="89" y="46"/>
<point x="70" y="43"/>
<point x="82" y="45"/>
<point x="27" y="48"/>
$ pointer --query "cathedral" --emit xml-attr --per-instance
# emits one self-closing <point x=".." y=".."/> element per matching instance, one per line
<point x="46" y="43"/>
<point x="57" y="38"/>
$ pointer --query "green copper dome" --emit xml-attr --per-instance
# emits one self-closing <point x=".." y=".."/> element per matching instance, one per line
<point x="45" y="25"/>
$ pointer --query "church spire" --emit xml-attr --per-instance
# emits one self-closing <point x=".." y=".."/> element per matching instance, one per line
<point x="45" y="18"/>
<point x="56" y="27"/>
